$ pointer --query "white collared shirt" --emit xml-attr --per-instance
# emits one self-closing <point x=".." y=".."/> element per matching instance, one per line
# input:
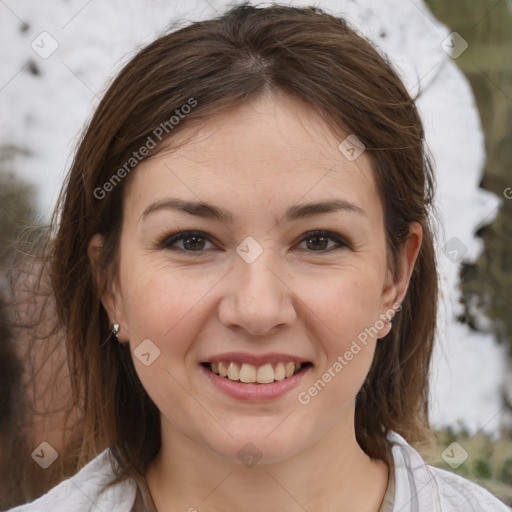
<point x="413" y="486"/>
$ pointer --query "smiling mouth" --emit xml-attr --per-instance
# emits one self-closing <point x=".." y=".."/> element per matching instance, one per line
<point x="248" y="373"/>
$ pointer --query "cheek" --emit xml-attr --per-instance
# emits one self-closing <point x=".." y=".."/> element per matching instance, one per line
<point x="346" y="303"/>
<point x="162" y="304"/>
<point x="342" y="313"/>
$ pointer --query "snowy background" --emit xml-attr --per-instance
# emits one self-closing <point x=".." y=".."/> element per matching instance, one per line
<point x="56" y="60"/>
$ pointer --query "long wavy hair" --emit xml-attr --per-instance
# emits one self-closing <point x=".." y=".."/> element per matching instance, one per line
<point x="221" y="63"/>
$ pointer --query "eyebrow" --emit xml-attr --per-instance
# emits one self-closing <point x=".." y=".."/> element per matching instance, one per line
<point x="210" y="211"/>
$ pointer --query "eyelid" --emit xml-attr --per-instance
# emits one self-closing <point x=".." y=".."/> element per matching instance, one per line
<point x="339" y="239"/>
<point x="166" y="241"/>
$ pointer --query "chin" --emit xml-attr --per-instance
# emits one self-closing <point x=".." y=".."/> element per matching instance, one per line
<point x="253" y="446"/>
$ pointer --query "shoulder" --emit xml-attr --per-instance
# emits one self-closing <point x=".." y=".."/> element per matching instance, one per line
<point x="421" y="487"/>
<point x="85" y="491"/>
<point x="459" y="491"/>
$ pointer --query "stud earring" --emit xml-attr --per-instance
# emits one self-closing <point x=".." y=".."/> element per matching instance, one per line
<point x="115" y="330"/>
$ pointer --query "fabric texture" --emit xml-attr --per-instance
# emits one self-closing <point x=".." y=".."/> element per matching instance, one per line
<point x="389" y="496"/>
<point x="413" y="486"/>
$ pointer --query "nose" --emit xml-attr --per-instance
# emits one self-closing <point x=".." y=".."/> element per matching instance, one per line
<point x="257" y="298"/>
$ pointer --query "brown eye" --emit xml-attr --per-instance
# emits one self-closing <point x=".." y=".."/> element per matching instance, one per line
<point x="318" y="241"/>
<point x="195" y="241"/>
<point x="192" y="241"/>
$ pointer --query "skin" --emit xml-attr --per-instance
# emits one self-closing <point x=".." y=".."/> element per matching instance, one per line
<point x="256" y="160"/>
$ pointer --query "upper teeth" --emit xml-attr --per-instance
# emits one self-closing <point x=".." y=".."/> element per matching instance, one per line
<point x="246" y="372"/>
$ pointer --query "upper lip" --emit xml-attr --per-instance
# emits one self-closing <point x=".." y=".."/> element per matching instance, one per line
<point x="255" y="359"/>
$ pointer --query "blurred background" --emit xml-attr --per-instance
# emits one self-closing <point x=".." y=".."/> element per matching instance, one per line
<point x="56" y="59"/>
<point x="486" y="281"/>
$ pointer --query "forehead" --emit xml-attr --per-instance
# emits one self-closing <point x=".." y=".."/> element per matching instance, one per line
<point x="273" y="147"/>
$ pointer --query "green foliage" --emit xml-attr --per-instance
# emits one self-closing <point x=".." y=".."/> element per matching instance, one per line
<point x="482" y="469"/>
<point x="488" y="462"/>
<point x="506" y="472"/>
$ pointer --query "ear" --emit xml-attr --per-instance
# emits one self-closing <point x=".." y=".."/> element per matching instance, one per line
<point x="107" y="286"/>
<point x="396" y="286"/>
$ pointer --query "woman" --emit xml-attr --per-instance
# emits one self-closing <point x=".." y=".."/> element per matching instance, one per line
<point x="245" y="270"/>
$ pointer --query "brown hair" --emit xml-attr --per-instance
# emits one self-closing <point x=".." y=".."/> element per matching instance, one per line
<point x="220" y="63"/>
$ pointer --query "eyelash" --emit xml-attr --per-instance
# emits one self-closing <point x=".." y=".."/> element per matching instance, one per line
<point x="168" y="241"/>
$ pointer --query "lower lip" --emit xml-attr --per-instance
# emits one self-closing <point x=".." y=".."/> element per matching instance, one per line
<point x="254" y="392"/>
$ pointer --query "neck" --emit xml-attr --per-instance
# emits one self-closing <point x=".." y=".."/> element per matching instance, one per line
<point x="332" y="474"/>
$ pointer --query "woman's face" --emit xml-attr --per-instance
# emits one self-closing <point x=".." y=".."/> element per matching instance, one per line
<point x="257" y="287"/>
